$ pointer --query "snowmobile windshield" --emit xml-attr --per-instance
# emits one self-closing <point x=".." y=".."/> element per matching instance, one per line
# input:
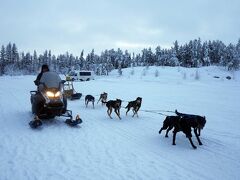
<point x="51" y="80"/>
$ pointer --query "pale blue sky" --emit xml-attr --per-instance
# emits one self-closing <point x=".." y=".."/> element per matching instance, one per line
<point x="73" y="25"/>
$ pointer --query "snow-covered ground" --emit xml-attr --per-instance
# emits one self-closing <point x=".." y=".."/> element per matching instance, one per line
<point x="131" y="148"/>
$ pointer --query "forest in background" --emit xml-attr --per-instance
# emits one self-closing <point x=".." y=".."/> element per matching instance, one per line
<point x="192" y="54"/>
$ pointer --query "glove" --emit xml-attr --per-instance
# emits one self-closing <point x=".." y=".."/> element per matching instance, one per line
<point x="36" y="82"/>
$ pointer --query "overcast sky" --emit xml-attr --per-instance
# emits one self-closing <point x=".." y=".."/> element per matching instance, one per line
<point x="73" y="25"/>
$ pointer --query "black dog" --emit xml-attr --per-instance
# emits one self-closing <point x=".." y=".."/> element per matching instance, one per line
<point x="116" y="105"/>
<point x="196" y="122"/>
<point x="89" y="98"/>
<point x="135" y="105"/>
<point x="180" y="123"/>
<point x="103" y="98"/>
<point x="188" y="121"/>
<point x="184" y="126"/>
<point x="169" y="123"/>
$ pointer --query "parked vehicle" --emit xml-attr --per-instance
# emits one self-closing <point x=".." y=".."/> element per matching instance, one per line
<point x="70" y="92"/>
<point x="82" y="75"/>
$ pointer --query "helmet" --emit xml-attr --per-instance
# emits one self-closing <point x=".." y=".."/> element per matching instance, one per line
<point x="44" y="68"/>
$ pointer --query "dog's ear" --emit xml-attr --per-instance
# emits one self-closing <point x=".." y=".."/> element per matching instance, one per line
<point x="204" y="119"/>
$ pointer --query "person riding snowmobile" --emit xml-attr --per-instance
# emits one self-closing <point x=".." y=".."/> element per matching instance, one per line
<point x="43" y="70"/>
<point x="38" y="95"/>
<point x="49" y="100"/>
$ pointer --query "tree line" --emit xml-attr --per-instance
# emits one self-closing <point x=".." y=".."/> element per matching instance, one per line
<point x="192" y="54"/>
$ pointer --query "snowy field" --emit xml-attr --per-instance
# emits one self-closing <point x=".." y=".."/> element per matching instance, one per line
<point x="111" y="149"/>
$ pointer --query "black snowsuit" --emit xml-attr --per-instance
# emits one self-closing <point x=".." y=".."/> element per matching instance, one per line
<point x="38" y="96"/>
<point x="37" y="81"/>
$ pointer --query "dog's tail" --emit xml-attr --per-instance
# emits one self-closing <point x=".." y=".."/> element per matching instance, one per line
<point x="176" y="112"/>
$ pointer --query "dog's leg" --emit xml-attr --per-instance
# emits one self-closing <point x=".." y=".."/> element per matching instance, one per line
<point x="199" y="131"/>
<point x="99" y="100"/>
<point x="136" y="110"/>
<point x="109" y="111"/>
<point x="117" y="112"/>
<point x="174" y="137"/>
<point x="196" y="134"/>
<point x="133" y="112"/>
<point x="166" y="135"/>
<point x="164" y="127"/>
<point x="137" y="113"/>
<point x="160" y="131"/>
<point x="169" y="128"/>
<point x="127" y="110"/>
<point x="190" y="139"/>
<point x="93" y="104"/>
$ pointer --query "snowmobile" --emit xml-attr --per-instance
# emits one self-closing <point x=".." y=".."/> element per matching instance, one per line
<point x="50" y="101"/>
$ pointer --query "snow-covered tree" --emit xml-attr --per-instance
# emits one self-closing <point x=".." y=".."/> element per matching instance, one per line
<point x="15" y="55"/>
<point x="9" y="58"/>
<point x="2" y="60"/>
<point x="120" y="70"/>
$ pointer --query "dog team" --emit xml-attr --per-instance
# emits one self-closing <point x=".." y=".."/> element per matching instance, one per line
<point x="115" y="104"/>
<point x="180" y="122"/>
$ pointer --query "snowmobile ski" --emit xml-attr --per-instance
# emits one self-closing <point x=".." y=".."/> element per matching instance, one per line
<point x="35" y="123"/>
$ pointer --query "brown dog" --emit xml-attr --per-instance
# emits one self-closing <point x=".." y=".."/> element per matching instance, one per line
<point x="116" y="105"/>
<point x="103" y="98"/>
<point x="89" y="98"/>
<point x="135" y="105"/>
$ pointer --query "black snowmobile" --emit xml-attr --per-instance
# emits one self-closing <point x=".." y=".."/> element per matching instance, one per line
<point x="49" y="101"/>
